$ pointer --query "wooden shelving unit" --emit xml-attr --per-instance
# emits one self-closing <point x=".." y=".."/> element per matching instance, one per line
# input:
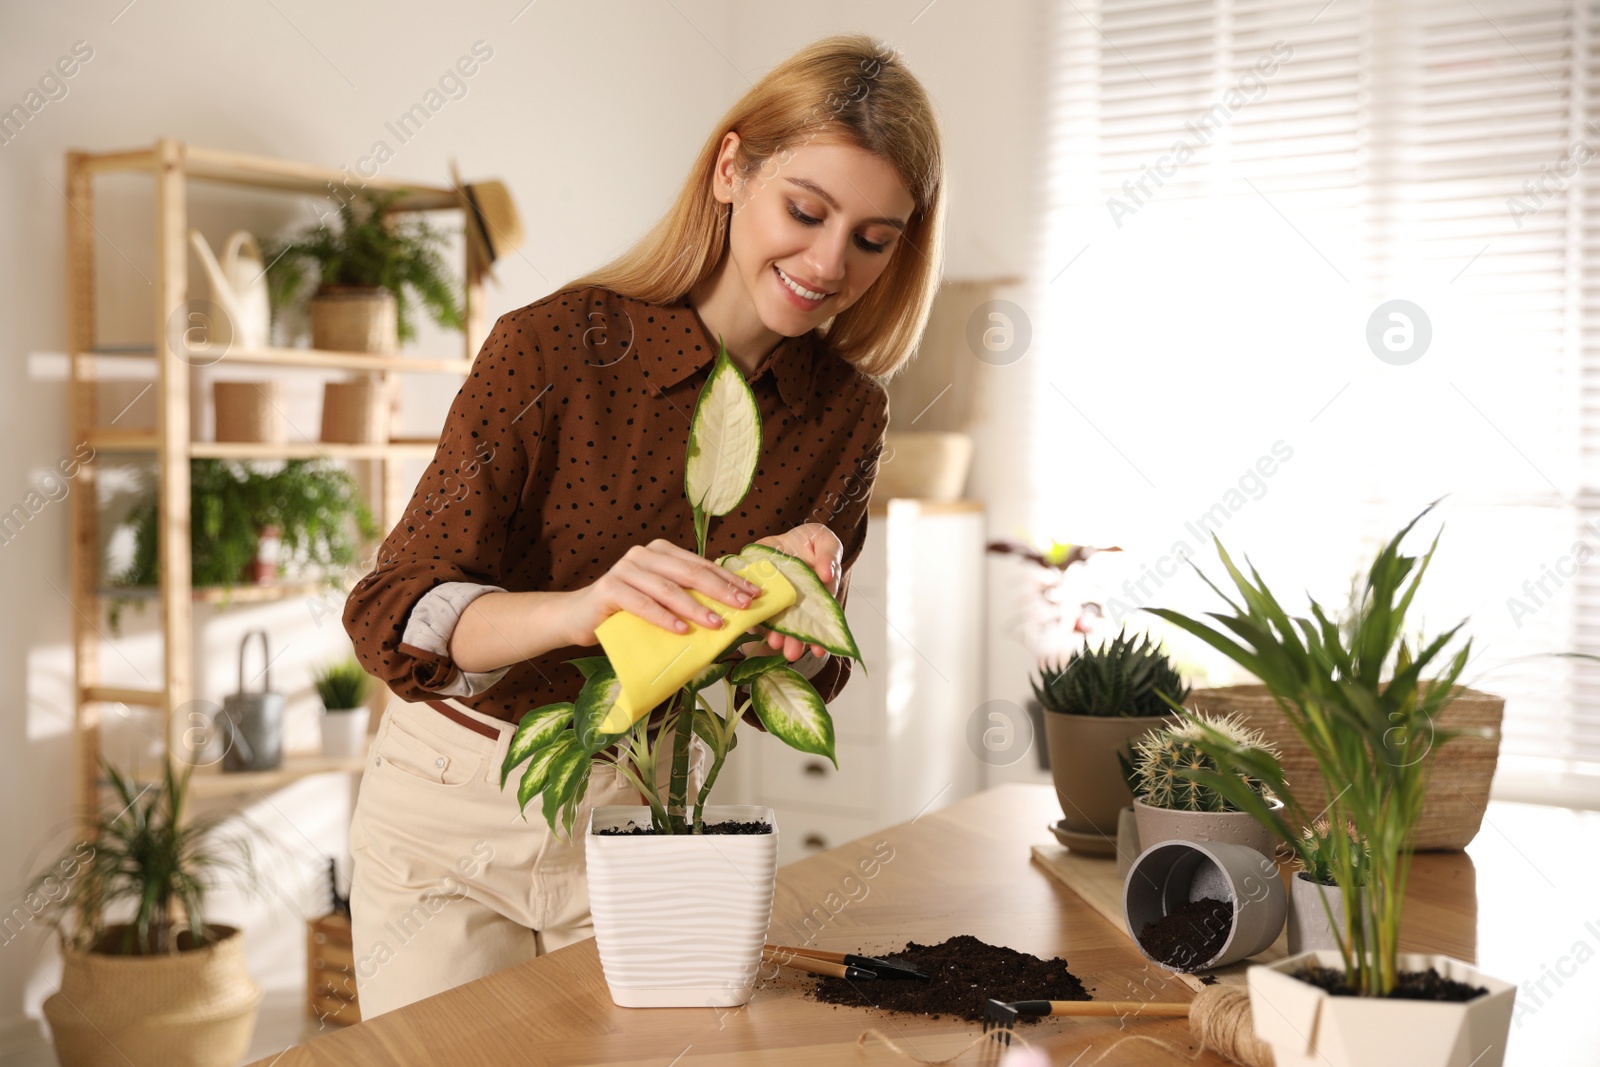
<point x="173" y="166"/>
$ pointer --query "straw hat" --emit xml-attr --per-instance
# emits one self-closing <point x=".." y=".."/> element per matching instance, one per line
<point x="493" y="226"/>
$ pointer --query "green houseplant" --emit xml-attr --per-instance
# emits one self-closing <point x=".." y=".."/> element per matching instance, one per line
<point x="1171" y="805"/>
<point x="373" y="258"/>
<point x="163" y="985"/>
<point x="316" y="506"/>
<point x="1374" y="739"/>
<point x="343" y="687"/>
<point x="1100" y="699"/>
<point x="670" y="864"/>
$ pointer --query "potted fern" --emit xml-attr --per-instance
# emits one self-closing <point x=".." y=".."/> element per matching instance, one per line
<point x="1101" y="699"/>
<point x="162" y="984"/>
<point x="674" y="862"/>
<point x="1170" y="806"/>
<point x="343" y="687"/>
<point x="365" y="270"/>
<point x="1374" y="739"/>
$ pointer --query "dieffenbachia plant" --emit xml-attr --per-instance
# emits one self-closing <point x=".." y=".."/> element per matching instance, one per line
<point x="562" y="743"/>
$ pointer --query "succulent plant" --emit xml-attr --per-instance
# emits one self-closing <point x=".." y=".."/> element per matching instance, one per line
<point x="1120" y="676"/>
<point x="1317" y="856"/>
<point x="1161" y="758"/>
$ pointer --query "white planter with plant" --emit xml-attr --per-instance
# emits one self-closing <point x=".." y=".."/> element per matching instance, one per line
<point x="161" y="986"/>
<point x="1374" y="741"/>
<point x="343" y="687"/>
<point x="1097" y="703"/>
<point x="1170" y="806"/>
<point x="680" y="917"/>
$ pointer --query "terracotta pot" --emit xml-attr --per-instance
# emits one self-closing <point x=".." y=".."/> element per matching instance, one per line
<point x="680" y="919"/>
<point x="1084" y="767"/>
<point x="1235" y="827"/>
<point x="1308" y="1028"/>
<point x="194" y="1008"/>
<point x="1178" y="872"/>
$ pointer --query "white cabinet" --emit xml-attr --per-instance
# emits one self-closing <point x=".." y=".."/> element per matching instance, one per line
<point x="916" y="609"/>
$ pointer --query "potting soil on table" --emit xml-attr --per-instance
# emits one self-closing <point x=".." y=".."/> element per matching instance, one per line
<point x="964" y="973"/>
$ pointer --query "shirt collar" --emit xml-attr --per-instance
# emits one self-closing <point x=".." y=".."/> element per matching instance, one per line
<point x="792" y="362"/>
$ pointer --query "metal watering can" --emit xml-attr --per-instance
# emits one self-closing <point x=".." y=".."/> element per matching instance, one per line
<point x="251" y="724"/>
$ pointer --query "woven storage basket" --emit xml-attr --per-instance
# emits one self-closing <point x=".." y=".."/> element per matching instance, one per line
<point x="249" y="411"/>
<point x="1458" y="791"/>
<point x="354" y="319"/>
<point x="356" y="412"/>
<point x="192" y="1009"/>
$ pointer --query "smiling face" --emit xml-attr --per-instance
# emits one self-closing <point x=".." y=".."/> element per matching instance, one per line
<point x="812" y="229"/>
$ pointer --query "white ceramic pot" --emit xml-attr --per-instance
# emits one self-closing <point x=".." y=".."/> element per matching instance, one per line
<point x="680" y="919"/>
<point x="1308" y="1028"/>
<point x="1171" y="873"/>
<point x="1308" y="923"/>
<point x="344" y="732"/>
<point x="1234" y="827"/>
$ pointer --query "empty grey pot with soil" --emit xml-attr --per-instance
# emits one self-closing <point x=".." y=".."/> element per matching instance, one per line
<point x="1172" y="874"/>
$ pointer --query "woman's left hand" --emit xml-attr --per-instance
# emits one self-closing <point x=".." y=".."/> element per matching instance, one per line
<point x="823" y="552"/>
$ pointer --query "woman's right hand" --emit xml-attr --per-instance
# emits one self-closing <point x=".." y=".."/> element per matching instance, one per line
<point x="652" y="581"/>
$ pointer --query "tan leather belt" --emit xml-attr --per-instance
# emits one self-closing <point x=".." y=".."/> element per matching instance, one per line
<point x="465" y="720"/>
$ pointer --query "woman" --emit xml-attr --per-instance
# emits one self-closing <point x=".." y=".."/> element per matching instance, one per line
<point x="556" y="495"/>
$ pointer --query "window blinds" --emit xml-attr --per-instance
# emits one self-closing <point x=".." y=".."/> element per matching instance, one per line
<point x="1235" y="186"/>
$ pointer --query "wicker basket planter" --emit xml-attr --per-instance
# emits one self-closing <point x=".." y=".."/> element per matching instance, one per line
<point x="350" y="318"/>
<point x="195" y="1008"/>
<point x="249" y="411"/>
<point x="356" y="412"/>
<point x="1458" y="792"/>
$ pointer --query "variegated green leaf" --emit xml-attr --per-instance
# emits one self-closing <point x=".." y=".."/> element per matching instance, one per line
<point x="755" y="666"/>
<point x="793" y="712"/>
<point x="569" y="777"/>
<point x="537" y="775"/>
<point x="589" y="664"/>
<point x="709" y="729"/>
<point x="724" y="441"/>
<point x="539" y="727"/>
<point x="713" y="673"/>
<point x="594" y="703"/>
<point x="815" y="617"/>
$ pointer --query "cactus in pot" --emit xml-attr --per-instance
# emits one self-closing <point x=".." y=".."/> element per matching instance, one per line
<point x="1174" y="803"/>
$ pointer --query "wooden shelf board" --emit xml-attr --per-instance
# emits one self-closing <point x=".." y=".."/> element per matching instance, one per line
<point x="146" y="441"/>
<point x="216" y="594"/>
<point x="213" y="781"/>
<point x="274" y="175"/>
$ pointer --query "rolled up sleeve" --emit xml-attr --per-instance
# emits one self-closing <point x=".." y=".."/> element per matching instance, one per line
<point x="448" y="548"/>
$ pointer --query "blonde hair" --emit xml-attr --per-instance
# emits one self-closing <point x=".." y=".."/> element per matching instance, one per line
<point x="847" y="87"/>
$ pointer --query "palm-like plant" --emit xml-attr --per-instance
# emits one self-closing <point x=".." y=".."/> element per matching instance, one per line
<point x="562" y="743"/>
<point x="143" y="855"/>
<point x="1373" y="740"/>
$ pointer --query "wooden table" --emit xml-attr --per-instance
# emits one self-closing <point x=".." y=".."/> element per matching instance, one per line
<point x="1516" y="900"/>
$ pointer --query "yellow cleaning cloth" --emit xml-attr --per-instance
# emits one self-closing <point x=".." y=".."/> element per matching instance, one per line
<point x="653" y="663"/>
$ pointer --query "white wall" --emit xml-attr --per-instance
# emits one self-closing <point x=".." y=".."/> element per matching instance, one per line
<point x="589" y="112"/>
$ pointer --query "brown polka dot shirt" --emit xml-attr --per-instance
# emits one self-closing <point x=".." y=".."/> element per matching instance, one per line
<point x="565" y="447"/>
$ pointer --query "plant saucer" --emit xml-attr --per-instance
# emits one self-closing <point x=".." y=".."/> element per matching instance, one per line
<point x="1087" y="844"/>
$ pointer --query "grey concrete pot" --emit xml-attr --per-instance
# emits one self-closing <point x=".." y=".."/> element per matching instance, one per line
<point x="1235" y="827"/>
<point x="1176" y="872"/>
<point x="1308" y="923"/>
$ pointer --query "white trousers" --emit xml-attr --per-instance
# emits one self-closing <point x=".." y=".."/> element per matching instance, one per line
<point x="449" y="881"/>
